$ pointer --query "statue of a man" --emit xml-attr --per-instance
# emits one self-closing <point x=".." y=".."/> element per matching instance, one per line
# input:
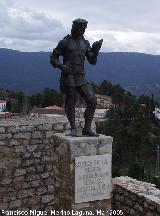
<point x="74" y="48"/>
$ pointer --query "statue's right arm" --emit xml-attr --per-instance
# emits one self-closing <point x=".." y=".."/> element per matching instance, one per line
<point x="58" y="51"/>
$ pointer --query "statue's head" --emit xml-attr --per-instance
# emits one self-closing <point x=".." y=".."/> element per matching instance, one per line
<point x="79" y="26"/>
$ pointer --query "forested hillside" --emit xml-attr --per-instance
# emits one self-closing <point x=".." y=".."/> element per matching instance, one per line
<point x="31" y="72"/>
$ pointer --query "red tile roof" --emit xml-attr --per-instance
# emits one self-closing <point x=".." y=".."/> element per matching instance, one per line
<point x="48" y="111"/>
<point x="3" y="101"/>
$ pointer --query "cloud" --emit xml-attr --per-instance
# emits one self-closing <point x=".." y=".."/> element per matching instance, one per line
<point x="125" y="25"/>
<point x="27" y="29"/>
<point x="130" y="41"/>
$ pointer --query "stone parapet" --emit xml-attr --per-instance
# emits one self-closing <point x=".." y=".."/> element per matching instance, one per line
<point x="28" y="158"/>
<point x="26" y="162"/>
<point x="135" y="198"/>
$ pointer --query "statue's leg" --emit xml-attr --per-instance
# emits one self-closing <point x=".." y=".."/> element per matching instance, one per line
<point x="87" y="93"/>
<point x="70" y="103"/>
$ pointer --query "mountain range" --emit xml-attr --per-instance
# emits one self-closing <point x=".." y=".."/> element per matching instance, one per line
<point x="31" y="72"/>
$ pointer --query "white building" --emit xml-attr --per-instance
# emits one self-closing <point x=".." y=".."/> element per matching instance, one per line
<point x="103" y="101"/>
<point x="157" y="113"/>
<point x="2" y="105"/>
<point x="99" y="113"/>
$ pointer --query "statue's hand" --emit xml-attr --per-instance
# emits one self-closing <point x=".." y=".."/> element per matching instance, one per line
<point x="97" y="46"/>
<point x="66" y="69"/>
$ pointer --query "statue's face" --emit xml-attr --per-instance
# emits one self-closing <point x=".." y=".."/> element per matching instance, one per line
<point x="78" y="30"/>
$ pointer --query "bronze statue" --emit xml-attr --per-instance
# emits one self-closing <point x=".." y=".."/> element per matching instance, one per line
<point x="74" y="48"/>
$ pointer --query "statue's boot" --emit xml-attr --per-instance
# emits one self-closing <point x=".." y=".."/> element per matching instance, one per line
<point x="89" y="133"/>
<point x="89" y="113"/>
<point x="73" y="133"/>
<point x="71" y="118"/>
<point x="70" y="112"/>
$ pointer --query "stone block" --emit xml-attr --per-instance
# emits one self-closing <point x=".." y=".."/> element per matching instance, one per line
<point x="15" y="204"/>
<point x="32" y="148"/>
<point x="47" y="198"/>
<point x="41" y="191"/>
<point x="13" y="142"/>
<point x="26" y="128"/>
<point x="6" y="181"/>
<point x="58" y="127"/>
<point x="22" y="135"/>
<point x="12" y="129"/>
<point x="49" y="134"/>
<point x="51" y="189"/>
<point x="45" y="175"/>
<point x="37" y="154"/>
<point x="4" y="136"/>
<point x="2" y="143"/>
<point x="37" y="135"/>
<point x="45" y="127"/>
<point x="85" y="146"/>
<point x="92" y="155"/>
<point x="35" y="141"/>
<point x="3" y="206"/>
<point x="20" y="172"/>
<point x="3" y="164"/>
<point x="2" y="129"/>
<point x="20" y="149"/>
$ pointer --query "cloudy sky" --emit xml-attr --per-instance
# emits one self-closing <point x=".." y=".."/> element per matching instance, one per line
<point x="37" y="25"/>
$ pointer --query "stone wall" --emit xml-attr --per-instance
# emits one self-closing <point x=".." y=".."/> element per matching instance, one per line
<point x="28" y="165"/>
<point x="135" y="198"/>
<point x="37" y="166"/>
<point x="27" y="162"/>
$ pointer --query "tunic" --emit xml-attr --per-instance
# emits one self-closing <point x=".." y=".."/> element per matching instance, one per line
<point x="73" y="50"/>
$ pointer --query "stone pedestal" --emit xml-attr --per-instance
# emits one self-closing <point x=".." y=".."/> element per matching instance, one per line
<point x="83" y="173"/>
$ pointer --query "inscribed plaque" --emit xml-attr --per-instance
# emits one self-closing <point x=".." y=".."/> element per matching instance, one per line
<point x="92" y="178"/>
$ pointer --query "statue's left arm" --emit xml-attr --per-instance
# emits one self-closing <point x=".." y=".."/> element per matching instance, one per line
<point x="92" y="52"/>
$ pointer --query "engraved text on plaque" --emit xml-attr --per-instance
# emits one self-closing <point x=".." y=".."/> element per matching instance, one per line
<point x="92" y="178"/>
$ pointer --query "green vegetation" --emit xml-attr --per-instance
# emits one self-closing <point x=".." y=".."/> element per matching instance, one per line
<point x="135" y="131"/>
<point x="48" y="97"/>
<point x="18" y="102"/>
